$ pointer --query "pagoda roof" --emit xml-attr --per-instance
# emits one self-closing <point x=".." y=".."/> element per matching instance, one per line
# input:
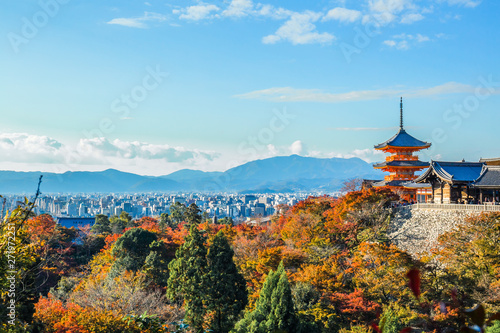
<point x="414" y="164"/>
<point x="403" y="139"/>
<point x="453" y="172"/>
<point x="489" y="178"/>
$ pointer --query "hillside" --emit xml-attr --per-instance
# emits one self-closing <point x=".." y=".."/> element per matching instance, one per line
<point x="276" y="174"/>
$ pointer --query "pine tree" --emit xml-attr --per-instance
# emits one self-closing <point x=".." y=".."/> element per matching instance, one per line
<point x="227" y="287"/>
<point x="274" y="310"/>
<point x="193" y="216"/>
<point x="101" y="224"/>
<point x="282" y="316"/>
<point x="188" y="278"/>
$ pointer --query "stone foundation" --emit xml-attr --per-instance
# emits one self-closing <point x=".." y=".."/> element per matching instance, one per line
<point x="416" y="230"/>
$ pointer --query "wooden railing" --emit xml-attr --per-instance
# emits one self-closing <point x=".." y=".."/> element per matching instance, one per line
<point x="477" y="208"/>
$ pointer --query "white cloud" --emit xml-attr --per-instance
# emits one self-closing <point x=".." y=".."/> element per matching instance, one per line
<point x="411" y="18"/>
<point x="272" y="12"/>
<point x="386" y="11"/>
<point x="389" y="43"/>
<point x="23" y="147"/>
<point x="299" y="29"/>
<point x="342" y="15"/>
<point x="128" y="150"/>
<point x="420" y="38"/>
<point x="389" y="6"/>
<point x="272" y="150"/>
<point x="465" y="3"/>
<point x="239" y="8"/>
<point x="28" y="152"/>
<point x="369" y="155"/>
<point x="288" y="94"/>
<point x="139" y="22"/>
<point x="297" y="147"/>
<point x="196" y="12"/>
<point x="404" y="41"/>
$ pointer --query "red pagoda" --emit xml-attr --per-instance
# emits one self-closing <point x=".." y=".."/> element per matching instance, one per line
<point x="401" y="164"/>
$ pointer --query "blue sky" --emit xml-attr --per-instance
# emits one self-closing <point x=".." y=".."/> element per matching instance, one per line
<point x="153" y="87"/>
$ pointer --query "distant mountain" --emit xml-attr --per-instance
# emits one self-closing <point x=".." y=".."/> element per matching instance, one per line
<point x="276" y="174"/>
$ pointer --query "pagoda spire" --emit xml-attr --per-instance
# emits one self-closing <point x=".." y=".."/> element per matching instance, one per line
<point x="401" y="114"/>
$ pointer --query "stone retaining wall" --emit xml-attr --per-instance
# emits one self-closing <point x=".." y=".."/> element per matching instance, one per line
<point x="416" y="230"/>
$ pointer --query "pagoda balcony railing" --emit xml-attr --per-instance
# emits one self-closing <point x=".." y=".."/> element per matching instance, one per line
<point x="401" y="158"/>
<point x="390" y="178"/>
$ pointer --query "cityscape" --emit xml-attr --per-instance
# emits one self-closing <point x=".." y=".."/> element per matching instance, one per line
<point x="244" y="166"/>
<point x="240" y="207"/>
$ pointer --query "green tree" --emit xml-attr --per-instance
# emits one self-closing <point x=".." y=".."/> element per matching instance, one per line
<point x="226" y="220"/>
<point x="274" y="310"/>
<point x="131" y="250"/>
<point x="188" y="278"/>
<point x="227" y="295"/>
<point x="193" y="215"/>
<point x="177" y="213"/>
<point x="101" y="225"/>
<point x="127" y="219"/>
<point x="164" y="221"/>
<point x="117" y="224"/>
<point x="156" y="263"/>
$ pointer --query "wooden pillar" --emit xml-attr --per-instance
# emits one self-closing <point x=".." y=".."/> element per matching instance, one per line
<point x="481" y="195"/>
<point x="432" y="187"/>
<point x="442" y="190"/>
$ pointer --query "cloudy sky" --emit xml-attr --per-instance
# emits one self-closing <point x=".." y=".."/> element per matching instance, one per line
<point x="157" y="86"/>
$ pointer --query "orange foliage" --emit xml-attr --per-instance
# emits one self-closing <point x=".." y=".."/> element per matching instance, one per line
<point x="64" y="318"/>
<point x="148" y="223"/>
<point x="110" y="240"/>
<point x="41" y="227"/>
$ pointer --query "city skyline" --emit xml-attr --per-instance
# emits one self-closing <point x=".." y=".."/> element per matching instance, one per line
<point x="154" y="87"/>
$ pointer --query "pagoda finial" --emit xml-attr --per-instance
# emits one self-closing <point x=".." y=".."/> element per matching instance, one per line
<point x="401" y="113"/>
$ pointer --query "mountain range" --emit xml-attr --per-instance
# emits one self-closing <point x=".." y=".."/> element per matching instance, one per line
<point x="277" y="174"/>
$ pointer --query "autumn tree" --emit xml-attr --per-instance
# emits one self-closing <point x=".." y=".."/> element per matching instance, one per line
<point x="351" y="185"/>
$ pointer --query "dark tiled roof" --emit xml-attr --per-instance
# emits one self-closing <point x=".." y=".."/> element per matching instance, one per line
<point x="402" y="164"/>
<point x="453" y="171"/>
<point x="403" y="139"/>
<point x="417" y="186"/>
<point x="490" y="177"/>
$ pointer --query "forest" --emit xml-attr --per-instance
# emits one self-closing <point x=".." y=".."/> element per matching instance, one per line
<point x="323" y="265"/>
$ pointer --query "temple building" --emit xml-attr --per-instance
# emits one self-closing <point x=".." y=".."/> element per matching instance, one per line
<point x="401" y="163"/>
<point x="462" y="182"/>
<point x="451" y="182"/>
